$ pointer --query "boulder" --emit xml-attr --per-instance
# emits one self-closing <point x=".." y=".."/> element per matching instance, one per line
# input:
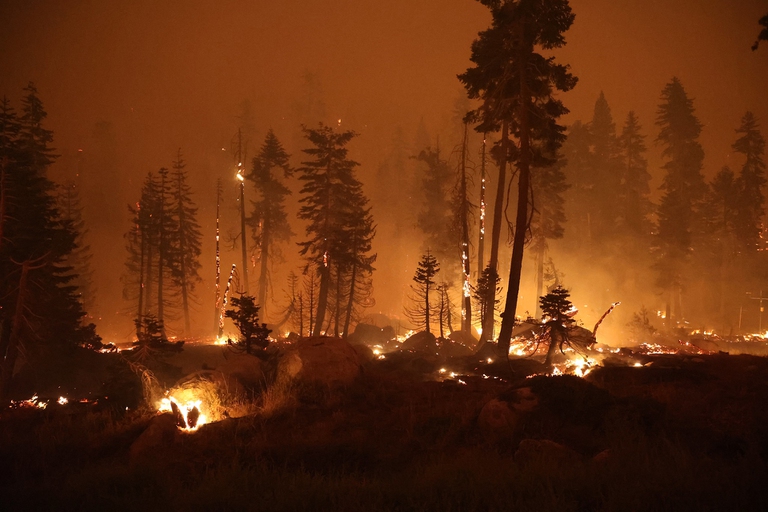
<point x="364" y="353"/>
<point x="465" y="338"/>
<point x="523" y="400"/>
<point x="371" y="335"/>
<point x="544" y="451"/>
<point x="497" y="421"/>
<point x="247" y="369"/>
<point x="161" y="432"/>
<point x="321" y="360"/>
<point x="421" y="342"/>
<point x="453" y="348"/>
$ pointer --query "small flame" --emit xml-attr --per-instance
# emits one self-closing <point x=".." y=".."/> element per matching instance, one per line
<point x="190" y="412"/>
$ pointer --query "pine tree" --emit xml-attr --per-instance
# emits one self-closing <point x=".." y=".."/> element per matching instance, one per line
<point x="185" y="238"/>
<point x="557" y="309"/>
<point x="329" y="184"/>
<point x="422" y="312"/>
<point x="39" y="306"/>
<point x="750" y="183"/>
<point x="634" y="206"/>
<point x="683" y="187"/>
<point x="763" y="35"/>
<point x="253" y="337"/>
<point x="719" y="248"/>
<point x="581" y="207"/>
<point x="152" y="260"/>
<point x="79" y="260"/>
<point x="435" y="217"/>
<point x="548" y="217"/>
<point x="269" y="220"/>
<point x="606" y="172"/>
<point x="360" y="231"/>
<point x="517" y="86"/>
<point x="487" y="286"/>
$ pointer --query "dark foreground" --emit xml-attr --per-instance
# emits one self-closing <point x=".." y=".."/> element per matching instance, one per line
<point x="685" y="433"/>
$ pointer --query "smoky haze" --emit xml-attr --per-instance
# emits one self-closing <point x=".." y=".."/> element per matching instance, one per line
<point x="126" y="84"/>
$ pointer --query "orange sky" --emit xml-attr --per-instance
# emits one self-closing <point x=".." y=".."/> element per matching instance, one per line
<point x="171" y="74"/>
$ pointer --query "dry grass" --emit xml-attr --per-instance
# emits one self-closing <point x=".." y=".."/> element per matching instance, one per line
<point x="389" y="443"/>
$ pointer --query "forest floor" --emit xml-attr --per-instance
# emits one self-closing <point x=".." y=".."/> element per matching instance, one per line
<point x="680" y="433"/>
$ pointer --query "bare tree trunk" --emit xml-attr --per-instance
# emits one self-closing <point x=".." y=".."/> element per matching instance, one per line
<point x="337" y="314"/>
<point x="217" y="302"/>
<point x="353" y="280"/>
<point x="263" y="276"/>
<point x="466" y="295"/>
<point x="322" y="299"/>
<point x="539" y="279"/>
<point x="140" y="313"/>
<point x="161" y="253"/>
<point x="498" y="210"/>
<point x="243" y="238"/>
<point x="3" y="196"/>
<point x="426" y="307"/>
<point x="311" y="306"/>
<point x="481" y="240"/>
<point x="555" y="337"/>
<point x="11" y="352"/>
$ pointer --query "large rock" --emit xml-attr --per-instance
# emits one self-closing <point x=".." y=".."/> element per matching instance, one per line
<point x="456" y="345"/>
<point x="467" y="339"/>
<point x="320" y="360"/>
<point x="161" y="433"/>
<point x="247" y="369"/>
<point x="544" y="451"/>
<point x="497" y="421"/>
<point x="421" y="342"/>
<point x="371" y="335"/>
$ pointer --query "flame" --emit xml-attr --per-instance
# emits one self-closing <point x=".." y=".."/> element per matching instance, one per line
<point x="190" y="423"/>
<point x="30" y="402"/>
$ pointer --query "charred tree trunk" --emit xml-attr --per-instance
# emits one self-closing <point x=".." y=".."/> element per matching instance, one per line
<point x="161" y="255"/>
<point x="466" y="295"/>
<point x="3" y="196"/>
<point x="498" y="210"/>
<point x="353" y="280"/>
<point x="481" y="236"/>
<point x="263" y="274"/>
<point x="337" y="314"/>
<point x="322" y="299"/>
<point x="539" y="279"/>
<point x="11" y="349"/>
<point x="555" y="339"/>
<point x="140" y="312"/>
<point x="217" y="302"/>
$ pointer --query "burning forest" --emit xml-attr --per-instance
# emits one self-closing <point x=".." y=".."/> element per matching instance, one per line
<point x="456" y="255"/>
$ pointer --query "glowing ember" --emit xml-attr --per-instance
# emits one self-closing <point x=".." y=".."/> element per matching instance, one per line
<point x="62" y="401"/>
<point x="33" y="402"/>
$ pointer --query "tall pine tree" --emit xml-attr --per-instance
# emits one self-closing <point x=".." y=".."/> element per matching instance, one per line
<point x="517" y="87"/>
<point x="750" y="183"/>
<point x="39" y="304"/>
<point x="269" y="220"/>
<point x="329" y="185"/>
<point x="185" y="240"/>
<point x="683" y="188"/>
